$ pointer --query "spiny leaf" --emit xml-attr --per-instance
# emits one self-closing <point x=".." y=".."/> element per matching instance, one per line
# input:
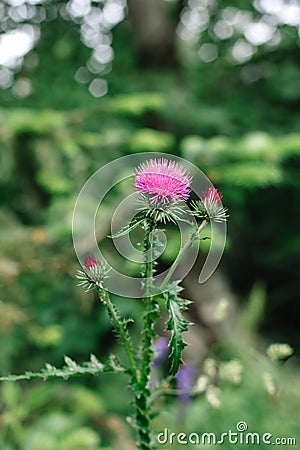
<point x="174" y="288"/>
<point x="92" y="367"/>
<point x="130" y="227"/>
<point x="177" y="324"/>
<point x="115" y="364"/>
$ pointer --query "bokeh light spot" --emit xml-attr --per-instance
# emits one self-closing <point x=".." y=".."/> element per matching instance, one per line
<point x="98" y="87"/>
<point x="208" y="52"/>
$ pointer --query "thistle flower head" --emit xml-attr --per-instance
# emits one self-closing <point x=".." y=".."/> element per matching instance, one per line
<point x="163" y="180"/>
<point x="209" y="206"/>
<point x="160" y="210"/>
<point x="94" y="273"/>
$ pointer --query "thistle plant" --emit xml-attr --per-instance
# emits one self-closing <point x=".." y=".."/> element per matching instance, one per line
<point x="163" y="187"/>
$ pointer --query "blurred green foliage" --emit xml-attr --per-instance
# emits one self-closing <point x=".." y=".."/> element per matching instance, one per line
<point x="258" y="396"/>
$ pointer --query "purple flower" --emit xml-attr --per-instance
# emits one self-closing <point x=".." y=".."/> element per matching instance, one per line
<point x="163" y="180"/>
<point x="160" y="348"/>
<point x="185" y="379"/>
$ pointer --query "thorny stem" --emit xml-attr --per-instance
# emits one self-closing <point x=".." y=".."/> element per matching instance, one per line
<point x="149" y="305"/>
<point x="142" y="402"/>
<point x="140" y="380"/>
<point x="121" y="330"/>
<point x="181" y="253"/>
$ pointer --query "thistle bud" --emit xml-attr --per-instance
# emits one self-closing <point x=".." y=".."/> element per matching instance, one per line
<point x="94" y="273"/>
<point x="209" y="207"/>
<point x="90" y="262"/>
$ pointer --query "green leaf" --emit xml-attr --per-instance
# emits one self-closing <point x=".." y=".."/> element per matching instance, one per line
<point x="177" y="324"/>
<point x="130" y="227"/>
<point x="92" y="367"/>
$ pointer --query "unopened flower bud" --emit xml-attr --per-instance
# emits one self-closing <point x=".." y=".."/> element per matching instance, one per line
<point x="212" y="194"/>
<point x="90" y="262"/>
<point x="94" y="274"/>
<point x="209" y="206"/>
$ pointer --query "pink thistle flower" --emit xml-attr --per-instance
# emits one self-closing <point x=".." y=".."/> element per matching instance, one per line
<point x="163" y="179"/>
<point x="212" y="194"/>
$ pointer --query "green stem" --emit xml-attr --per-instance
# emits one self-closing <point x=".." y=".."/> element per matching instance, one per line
<point x="142" y="402"/>
<point x="121" y="330"/>
<point x="173" y="392"/>
<point x="149" y="305"/>
<point x="181" y="253"/>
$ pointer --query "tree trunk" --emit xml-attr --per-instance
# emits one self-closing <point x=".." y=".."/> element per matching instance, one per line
<point x="154" y="32"/>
